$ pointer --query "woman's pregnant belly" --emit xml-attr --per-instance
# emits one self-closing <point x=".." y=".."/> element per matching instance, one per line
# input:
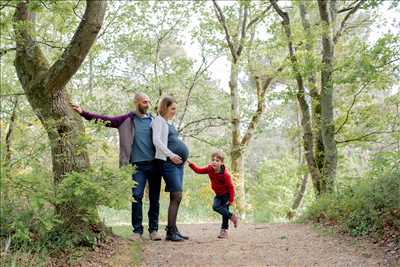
<point x="179" y="148"/>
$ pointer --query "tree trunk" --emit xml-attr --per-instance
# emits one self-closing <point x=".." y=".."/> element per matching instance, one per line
<point x="304" y="107"/>
<point x="301" y="185"/>
<point x="44" y="86"/>
<point x="236" y="149"/>
<point x="314" y="92"/>
<point x="239" y="144"/>
<point x="327" y="117"/>
<point x="237" y="171"/>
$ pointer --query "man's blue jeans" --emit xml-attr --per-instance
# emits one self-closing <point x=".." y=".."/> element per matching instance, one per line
<point x="147" y="171"/>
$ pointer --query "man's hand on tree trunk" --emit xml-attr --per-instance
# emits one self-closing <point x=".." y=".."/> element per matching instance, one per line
<point x="77" y="108"/>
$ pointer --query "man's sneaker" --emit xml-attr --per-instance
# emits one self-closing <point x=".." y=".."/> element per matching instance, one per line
<point x="155" y="236"/>
<point x="235" y="220"/>
<point x="136" y="237"/>
<point x="223" y="234"/>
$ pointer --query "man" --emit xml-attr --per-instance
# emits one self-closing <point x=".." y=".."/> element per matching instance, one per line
<point x="136" y="147"/>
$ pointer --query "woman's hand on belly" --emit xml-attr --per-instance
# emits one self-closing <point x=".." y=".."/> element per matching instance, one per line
<point x="176" y="159"/>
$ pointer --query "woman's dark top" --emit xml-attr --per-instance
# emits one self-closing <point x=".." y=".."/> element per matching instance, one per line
<point x="175" y="144"/>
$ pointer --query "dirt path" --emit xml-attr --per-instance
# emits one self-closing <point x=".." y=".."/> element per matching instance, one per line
<point x="260" y="245"/>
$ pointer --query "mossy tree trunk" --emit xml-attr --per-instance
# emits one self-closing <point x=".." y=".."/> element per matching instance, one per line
<point x="45" y="89"/>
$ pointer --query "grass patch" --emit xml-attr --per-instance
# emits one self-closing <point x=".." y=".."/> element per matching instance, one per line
<point x="122" y="231"/>
<point x="129" y="254"/>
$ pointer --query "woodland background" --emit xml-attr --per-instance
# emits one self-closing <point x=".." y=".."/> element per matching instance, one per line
<point x="302" y="96"/>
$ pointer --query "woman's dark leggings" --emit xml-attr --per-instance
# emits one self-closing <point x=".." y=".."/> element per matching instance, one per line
<point x="174" y="201"/>
<point x="221" y="206"/>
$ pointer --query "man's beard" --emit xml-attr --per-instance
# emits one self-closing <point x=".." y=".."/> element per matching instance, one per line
<point x="142" y="110"/>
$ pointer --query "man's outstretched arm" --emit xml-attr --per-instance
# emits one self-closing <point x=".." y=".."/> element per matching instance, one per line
<point x="110" y="121"/>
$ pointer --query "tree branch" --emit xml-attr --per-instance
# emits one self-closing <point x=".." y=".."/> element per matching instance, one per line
<point x="112" y="20"/>
<point x="15" y="94"/>
<point x="197" y="75"/>
<point x="284" y="15"/>
<point x="28" y="53"/>
<point x="74" y="10"/>
<point x="258" y="18"/>
<point x="345" y="19"/>
<point x="85" y="35"/>
<point x="362" y="137"/>
<point x="350" y="108"/>
<point x="201" y="120"/>
<point x="4" y="51"/>
<point x="261" y="91"/>
<point x="221" y="19"/>
<point x="203" y="140"/>
<point x="347" y="8"/>
<point x="48" y="43"/>
<point x="6" y="4"/>
<point x="243" y="31"/>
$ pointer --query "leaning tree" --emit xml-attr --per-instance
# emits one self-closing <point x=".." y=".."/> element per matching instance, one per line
<point x="45" y="84"/>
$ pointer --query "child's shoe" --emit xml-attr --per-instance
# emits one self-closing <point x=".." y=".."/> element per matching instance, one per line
<point x="235" y="220"/>
<point x="223" y="234"/>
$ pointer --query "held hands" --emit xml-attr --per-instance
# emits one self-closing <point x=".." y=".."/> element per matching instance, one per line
<point x="176" y="159"/>
<point x="77" y="108"/>
<point x="189" y="161"/>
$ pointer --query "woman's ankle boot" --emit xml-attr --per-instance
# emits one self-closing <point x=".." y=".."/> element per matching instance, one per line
<point x="172" y="234"/>
<point x="179" y="233"/>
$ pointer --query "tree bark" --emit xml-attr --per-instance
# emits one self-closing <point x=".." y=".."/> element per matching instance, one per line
<point x="44" y="86"/>
<point x="327" y="117"/>
<point x="236" y="149"/>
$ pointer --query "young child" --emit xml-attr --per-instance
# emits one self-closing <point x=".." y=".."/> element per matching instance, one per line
<point x="222" y="185"/>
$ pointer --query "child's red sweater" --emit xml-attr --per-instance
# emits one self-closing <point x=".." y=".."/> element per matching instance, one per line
<point x="221" y="182"/>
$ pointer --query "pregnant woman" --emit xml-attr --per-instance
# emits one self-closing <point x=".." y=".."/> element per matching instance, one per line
<point x="171" y="154"/>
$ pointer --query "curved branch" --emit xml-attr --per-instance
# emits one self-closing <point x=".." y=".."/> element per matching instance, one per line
<point x="364" y="136"/>
<point x="261" y="91"/>
<point x="196" y="77"/>
<point x="351" y="107"/>
<point x="345" y="19"/>
<point x="201" y="120"/>
<point x="258" y="18"/>
<point x="85" y="35"/>
<point x="221" y="19"/>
